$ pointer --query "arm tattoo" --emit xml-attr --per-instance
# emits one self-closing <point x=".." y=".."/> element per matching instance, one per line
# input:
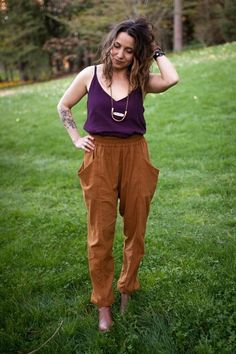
<point x="67" y="118"/>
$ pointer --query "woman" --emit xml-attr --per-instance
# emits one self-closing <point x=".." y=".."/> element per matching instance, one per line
<point x="116" y="164"/>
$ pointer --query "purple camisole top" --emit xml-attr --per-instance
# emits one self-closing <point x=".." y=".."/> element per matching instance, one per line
<point x="99" y="120"/>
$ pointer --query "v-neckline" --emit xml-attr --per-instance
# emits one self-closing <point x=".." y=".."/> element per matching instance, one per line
<point x="121" y="99"/>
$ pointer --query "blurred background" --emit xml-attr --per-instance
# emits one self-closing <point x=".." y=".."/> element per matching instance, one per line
<point x="44" y="39"/>
<point x="187" y="304"/>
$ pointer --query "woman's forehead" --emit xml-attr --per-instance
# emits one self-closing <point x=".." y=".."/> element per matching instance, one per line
<point x="125" y="39"/>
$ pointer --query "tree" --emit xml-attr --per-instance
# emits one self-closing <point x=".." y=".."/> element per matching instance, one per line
<point x="65" y="35"/>
<point x="178" y="34"/>
<point x="213" y="20"/>
<point x="228" y="21"/>
<point x="63" y="54"/>
<point x="23" y="34"/>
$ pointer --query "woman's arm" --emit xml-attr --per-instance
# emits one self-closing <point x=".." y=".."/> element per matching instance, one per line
<point x="73" y="95"/>
<point x="168" y="76"/>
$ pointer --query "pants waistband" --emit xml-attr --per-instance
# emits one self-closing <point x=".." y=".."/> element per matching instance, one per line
<point x="115" y="141"/>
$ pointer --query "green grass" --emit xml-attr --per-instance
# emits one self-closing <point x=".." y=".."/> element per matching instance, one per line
<point x="187" y="301"/>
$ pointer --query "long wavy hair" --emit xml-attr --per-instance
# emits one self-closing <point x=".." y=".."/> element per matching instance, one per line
<point x="142" y="32"/>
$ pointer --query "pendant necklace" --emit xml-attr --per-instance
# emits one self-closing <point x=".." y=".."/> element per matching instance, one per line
<point x="118" y="114"/>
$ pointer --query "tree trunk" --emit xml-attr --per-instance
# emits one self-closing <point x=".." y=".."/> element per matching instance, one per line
<point x="22" y="73"/>
<point x="5" y="67"/>
<point x="178" y="35"/>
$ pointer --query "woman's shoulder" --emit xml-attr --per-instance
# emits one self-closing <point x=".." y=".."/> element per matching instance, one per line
<point x="85" y="76"/>
<point x="87" y="72"/>
<point x="90" y="70"/>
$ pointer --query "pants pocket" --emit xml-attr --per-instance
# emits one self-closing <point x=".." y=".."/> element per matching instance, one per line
<point x="87" y="161"/>
<point x="152" y="168"/>
<point x="150" y="173"/>
<point x="88" y="174"/>
<point x="150" y="177"/>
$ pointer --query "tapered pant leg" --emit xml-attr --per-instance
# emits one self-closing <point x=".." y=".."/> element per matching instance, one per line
<point x="138" y="184"/>
<point x="98" y="180"/>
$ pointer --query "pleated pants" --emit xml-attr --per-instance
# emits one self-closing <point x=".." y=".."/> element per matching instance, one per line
<point x="117" y="172"/>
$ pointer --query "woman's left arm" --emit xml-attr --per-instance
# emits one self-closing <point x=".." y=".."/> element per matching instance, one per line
<point x="168" y="76"/>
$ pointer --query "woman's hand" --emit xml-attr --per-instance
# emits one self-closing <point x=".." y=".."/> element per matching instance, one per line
<point x="85" y="143"/>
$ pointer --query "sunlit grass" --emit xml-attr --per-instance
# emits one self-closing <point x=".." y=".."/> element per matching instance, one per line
<point x="187" y="300"/>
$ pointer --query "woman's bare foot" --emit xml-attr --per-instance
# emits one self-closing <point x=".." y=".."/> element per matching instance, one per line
<point x="105" y="319"/>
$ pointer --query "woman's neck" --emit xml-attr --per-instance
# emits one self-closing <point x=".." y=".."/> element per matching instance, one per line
<point x="120" y="75"/>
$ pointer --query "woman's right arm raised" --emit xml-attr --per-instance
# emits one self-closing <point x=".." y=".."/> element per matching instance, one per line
<point x="71" y="97"/>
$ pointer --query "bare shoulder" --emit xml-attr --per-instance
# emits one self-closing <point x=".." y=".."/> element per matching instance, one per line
<point x="78" y="88"/>
<point x="84" y="77"/>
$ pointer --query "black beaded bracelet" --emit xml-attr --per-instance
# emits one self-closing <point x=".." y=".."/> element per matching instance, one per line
<point x="158" y="53"/>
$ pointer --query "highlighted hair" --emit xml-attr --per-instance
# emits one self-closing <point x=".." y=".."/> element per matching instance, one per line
<point x="142" y="32"/>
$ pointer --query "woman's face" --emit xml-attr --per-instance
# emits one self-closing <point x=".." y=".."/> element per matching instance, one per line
<point x="122" y="52"/>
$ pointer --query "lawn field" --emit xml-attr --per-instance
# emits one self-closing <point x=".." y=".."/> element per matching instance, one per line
<point x="187" y="303"/>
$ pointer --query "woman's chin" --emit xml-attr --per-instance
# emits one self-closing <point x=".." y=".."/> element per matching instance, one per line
<point x="119" y="65"/>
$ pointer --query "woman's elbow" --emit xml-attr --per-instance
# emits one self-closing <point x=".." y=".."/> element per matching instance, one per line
<point x="174" y="79"/>
<point x="60" y="106"/>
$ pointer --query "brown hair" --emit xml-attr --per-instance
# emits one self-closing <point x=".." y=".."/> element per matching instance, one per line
<point x="141" y="30"/>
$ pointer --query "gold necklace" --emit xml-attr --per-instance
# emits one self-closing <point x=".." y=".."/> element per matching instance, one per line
<point x="118" y="114"/>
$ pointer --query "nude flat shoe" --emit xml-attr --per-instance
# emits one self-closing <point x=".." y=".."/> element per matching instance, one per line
<point x="124" y="300"/>
<point x="105" y="319"/>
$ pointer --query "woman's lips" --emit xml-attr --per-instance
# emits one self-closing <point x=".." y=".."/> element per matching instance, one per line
<point x="118" y="61"/>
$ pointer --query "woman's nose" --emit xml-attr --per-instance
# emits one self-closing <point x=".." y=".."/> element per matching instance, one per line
<point x="120" y="53"/>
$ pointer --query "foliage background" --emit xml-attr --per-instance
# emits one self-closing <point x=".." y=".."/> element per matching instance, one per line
<point x="48" y="38"/>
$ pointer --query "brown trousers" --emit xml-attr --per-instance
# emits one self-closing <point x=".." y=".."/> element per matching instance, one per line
<point x="117" y="169"/>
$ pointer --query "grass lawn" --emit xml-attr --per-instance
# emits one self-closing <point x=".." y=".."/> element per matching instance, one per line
<point x="187" y="301"/>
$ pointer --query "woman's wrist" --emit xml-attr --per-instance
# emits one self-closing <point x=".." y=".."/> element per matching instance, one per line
<point x="75" y="140"/>
<point x="158" y="52"/>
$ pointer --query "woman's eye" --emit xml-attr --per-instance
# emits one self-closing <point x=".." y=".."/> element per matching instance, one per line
<point x="116" y="45"/>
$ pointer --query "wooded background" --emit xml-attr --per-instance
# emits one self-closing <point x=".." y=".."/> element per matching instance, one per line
<point x="41" y="39"/>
